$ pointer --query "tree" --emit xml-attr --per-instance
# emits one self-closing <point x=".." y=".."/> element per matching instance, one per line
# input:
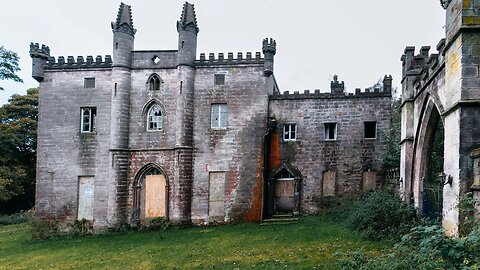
<point x="18" y="141"/>
<point x="9" y="65"/>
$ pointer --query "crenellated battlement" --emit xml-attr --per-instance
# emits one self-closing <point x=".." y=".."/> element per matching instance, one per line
<point x="422" y="66"/>
<point x="269" y="46"/>
<point x="386" y="91"/>
<point x="79" y="62"/>
<point x="220" y="59"/>
<point x="37" y="51"/>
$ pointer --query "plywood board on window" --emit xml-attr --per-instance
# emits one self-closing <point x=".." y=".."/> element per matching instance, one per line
<point x="86" y="188"/>
<point x="328" y="188"/>
<point x="216" y="202"/>
<point x="369" y="180"/>
<point x="155" y="192"/>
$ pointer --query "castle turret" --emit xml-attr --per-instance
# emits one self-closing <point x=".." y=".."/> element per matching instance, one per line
<point x="187" y="49"/>
<point x="187" y="29"/>
<point x="336" y="86"/>
<point x="269" y="49"/>
<point x="39" y="58"/>
<point x="123" y="39"/>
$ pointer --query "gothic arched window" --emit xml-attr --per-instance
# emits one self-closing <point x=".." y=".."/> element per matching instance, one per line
<point x="154" y="118"/>
<point x="154" y="82"/>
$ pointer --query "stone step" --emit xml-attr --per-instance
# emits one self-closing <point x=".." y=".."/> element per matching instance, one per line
<point x="278" y="220"/>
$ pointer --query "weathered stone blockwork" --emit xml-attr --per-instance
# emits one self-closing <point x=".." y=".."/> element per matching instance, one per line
<point x="443" y="87"/>
<point x="199" y="127"/>
<point x="349" y="155"/>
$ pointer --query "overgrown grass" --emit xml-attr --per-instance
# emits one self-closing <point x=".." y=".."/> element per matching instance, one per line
<point x="313" y="242"/>
<point x="17" y="218"/>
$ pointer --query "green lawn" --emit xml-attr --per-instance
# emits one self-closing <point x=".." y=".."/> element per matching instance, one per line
<point x="313" y="242"/>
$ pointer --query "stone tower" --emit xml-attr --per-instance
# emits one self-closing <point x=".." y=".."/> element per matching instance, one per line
<point x="187" y="50"/>
<point x="39" y="58"/>
<point x="123" y="39"/>
<point x="269" y="49"/>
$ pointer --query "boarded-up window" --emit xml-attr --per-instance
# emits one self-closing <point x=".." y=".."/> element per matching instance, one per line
<point x="86" y="187"/>
<point x="216" y="202"/>
<point x="219" y="79"/>
<point x="89" y="83"/>
<point x="329" y="183"/>
<point x="369" y="180"/>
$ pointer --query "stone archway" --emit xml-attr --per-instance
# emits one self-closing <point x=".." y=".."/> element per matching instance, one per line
<point x="427" y="187"/>
<point x="151" y="193"/>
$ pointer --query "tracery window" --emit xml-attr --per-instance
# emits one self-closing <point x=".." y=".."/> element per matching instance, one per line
<point x="155" y="118"/>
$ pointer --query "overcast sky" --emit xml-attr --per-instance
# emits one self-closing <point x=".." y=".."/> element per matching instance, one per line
<point x="359" y="40"/>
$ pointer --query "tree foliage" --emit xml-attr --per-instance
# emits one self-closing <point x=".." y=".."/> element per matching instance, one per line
<point x="18" y="141"/>
<point x="9" y="65"/>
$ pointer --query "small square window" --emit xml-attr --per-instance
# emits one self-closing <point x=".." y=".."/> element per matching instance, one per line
<point x="330" y="131"/>
<point x="370" y="130"/>
<point x="219" y="116"/>
<point x="219" y="79"/>
<point x="88" y="119"/>
<point x="290" y="132"/>
<point x="89" y="83"/>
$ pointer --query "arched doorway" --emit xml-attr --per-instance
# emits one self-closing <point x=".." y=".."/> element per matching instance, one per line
<point x="432" y="196"/>
<point x="428" y="167"/>
<point x="283" y="196"/>
<point x="151" y="193"/>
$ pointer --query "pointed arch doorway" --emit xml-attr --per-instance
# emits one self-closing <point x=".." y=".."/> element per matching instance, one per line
<point x="151" y="193"/>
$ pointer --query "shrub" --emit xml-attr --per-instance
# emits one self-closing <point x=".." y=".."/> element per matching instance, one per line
<point x="158" y="223"/>
<point x="17" y="218"/>
<point x="425" y="247"/>
<point x="81" y="227"/>
<point x="381" y="215"/>
<point x="45" y="228"/>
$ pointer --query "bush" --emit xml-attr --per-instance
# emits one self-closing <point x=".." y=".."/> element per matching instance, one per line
<point x="158" y="223"/>
<point x="425" y="247"/>
<point x="82" y="227"/>
<point x="381" y="215"/>
<point x="15" y="218"/>
<point x="45" y="228"/>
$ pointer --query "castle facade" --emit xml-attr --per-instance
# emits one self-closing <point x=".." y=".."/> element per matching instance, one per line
<point x="162" y="133"/>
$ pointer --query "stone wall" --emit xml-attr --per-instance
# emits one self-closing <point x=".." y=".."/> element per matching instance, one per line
<point x="349" y="155"/>
<point x="65" y="154"/>
<point x="236" y="150"/>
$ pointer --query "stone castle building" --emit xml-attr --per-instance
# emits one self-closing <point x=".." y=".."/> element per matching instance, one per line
<point x="443" y="88"/>
<point x="162" y="133"/>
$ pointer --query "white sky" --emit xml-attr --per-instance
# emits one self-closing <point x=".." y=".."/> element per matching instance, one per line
<point x="359" y="40"/>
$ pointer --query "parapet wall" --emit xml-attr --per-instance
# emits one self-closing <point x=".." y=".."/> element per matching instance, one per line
<point x="423" y="66"/>
<point x="221" y="60"/>
<point x="79" y="62"/>
<point x="367" y="93"/>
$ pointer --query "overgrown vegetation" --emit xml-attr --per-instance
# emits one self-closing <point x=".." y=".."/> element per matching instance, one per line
<point x="427" y="247"/>
<point x="381" y="215"/>
<point x="16" y="218"/>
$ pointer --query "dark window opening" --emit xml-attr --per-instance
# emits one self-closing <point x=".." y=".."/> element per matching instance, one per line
<point x="330" y="131"/>
<point x="89" y="83"/>
<point x="370" y="130"/>
<point x="219" y="79"/>
<point x="154" y="82"/>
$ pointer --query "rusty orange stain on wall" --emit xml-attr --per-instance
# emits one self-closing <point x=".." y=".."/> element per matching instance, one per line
<point x="255" y="211"/>
<point x="275" y="161"/>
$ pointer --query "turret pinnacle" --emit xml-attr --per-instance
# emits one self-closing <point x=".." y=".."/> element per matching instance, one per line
<point x="124" y="22"/>
<point x="188" y="20"/>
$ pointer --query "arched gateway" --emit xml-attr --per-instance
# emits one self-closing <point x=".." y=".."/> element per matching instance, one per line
<point x="442" y="90"/>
